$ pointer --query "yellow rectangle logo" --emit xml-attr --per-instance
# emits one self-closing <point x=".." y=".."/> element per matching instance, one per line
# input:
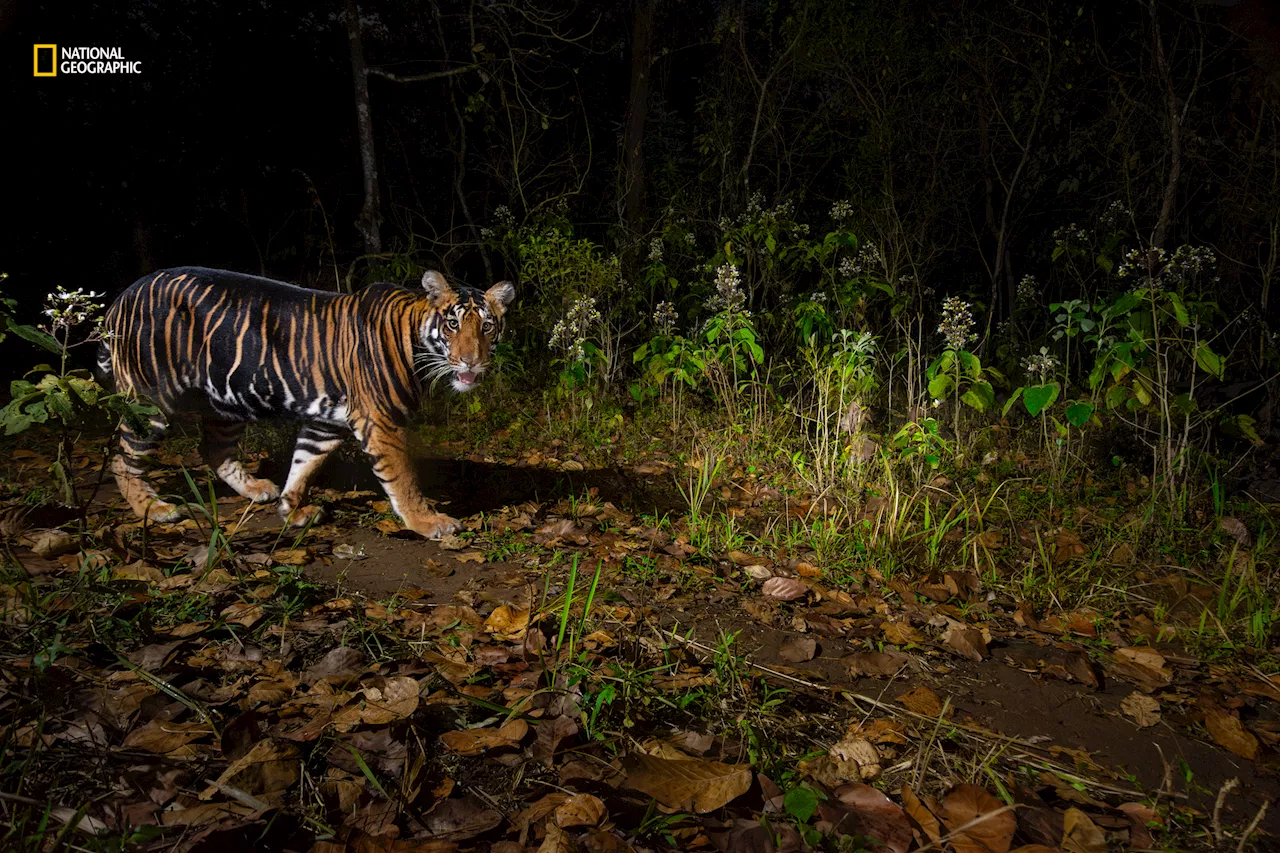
<point x="49" y="54"/>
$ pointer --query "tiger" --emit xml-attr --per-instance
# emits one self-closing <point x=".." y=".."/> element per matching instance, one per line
<point x="235" y="348"/>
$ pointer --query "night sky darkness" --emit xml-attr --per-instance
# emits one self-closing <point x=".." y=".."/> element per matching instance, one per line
<point x="242" y="123"/>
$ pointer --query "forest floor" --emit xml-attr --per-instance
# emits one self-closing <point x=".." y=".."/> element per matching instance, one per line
<point x="626" y="650"/>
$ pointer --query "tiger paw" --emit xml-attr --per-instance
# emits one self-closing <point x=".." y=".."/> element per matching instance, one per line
<point x="162" y="512"/>
<point x="260" y="491"/>
<point x="434" y="526"/>
<point x="301" y="516"/>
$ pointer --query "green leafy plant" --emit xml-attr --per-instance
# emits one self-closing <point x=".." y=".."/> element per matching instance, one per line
<point x="70" y="398"/>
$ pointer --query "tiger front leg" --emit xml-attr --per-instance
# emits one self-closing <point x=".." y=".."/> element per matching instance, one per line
<point x="127" y="466"/>
<point x="388" y="448"/>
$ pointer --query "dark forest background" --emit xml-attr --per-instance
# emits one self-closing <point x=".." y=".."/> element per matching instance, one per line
<point x="965" y="137"/>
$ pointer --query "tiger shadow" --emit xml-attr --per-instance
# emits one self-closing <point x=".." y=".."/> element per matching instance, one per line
<point x="463" y="487"/>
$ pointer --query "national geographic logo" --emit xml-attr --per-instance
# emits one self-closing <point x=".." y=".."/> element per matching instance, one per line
<point x="50" y="62"/>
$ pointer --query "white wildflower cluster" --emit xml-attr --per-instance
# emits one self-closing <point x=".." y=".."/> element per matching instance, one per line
<point x="757" y="212"/>
<point x="1115" y="217"/>
<point x="1028" y="289"/>
<point x="867" y="258"/>
<point x="841" y="210"/>
<point x="655" y="249"/>
<point x="573" y="330"/>
<point x="1070" y="235"/>
<point x="665" y="317"/>
<point x="689" y="238"/>
<point x="906" y="280"/>
<point x="818" y="297"/>
<point x="67" y="309"/>
<point x="956" y="327"/>
<point x="1143" y="266"/>
<point x="1190" y="263"/>
<point x="1042" y="365"/>
<point x="503" y="221"/>
<point x="1155" y="269"/>
<point x="728" y="298"/>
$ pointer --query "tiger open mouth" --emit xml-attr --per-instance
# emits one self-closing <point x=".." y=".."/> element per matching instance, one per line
<point x="465" y="380"/>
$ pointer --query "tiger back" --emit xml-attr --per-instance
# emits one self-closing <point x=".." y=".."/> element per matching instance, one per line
<point x="237" y="348"/>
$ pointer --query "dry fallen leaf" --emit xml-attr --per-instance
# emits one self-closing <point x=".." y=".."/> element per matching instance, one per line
<point x="923" y="701"/>
<point x="1228" y="731"/>
<point x="878" y="817"/>
<point x="990" y="834"/>
<point x="784" y="589"/>
<point x="1080" y="834"/>
<point x="507" y="622"/>
<point x="1068" y="545"/>
<point x="1145" y="666"/>
<point x="901" y="633"/>
<point x="476" y="741"/>
<point x="692" y="784"/>
<point x="580" y="810"/>
<point x="270" y="767"/>
<point x="965" y="641"/>
<point x="920" y="814"/>
<point x="1140" y="708"/>
<point x="163" y="736"/>
<point x="390" y="699"/>
<point x="797" y="649"/>
<point x="1235" y="528"/>
<point x="876" y="664"/>
<point x="243" y="613"/>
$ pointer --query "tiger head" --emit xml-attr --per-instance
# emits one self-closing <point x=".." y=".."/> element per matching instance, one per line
<point x="459" y="333"/>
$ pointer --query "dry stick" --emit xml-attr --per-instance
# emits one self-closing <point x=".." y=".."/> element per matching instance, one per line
<point x="1253" y="825"/>
<point x="1227" y="787"/>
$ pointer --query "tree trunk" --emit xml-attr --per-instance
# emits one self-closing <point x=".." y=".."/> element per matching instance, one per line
<point x="637" y="114"/>
<point x="370" y="221"/>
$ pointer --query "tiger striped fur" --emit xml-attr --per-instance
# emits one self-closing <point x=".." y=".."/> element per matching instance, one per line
<point x="238" y="348"/>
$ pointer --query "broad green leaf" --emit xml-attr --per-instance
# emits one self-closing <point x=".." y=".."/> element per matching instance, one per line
<point x="942" y="364"/>
<point x="1126" y="303"/>
<point x="940" y="386"/>
<point x="980" y="396"/>
<point x="1248" y="428"/>
<point x="1104" y="263"/>
<point x="1142" y="389"/>
<point x="1208" y="360"/>
<point x="35" y="336"/>
<point x="1078" y="413"/>
<point x="1179" y="310"/>
<point x="1116" y="395"/>
<point x="1038" y="397"/>
<point x="801" y="803"/>
<point x="1013" y="398"/>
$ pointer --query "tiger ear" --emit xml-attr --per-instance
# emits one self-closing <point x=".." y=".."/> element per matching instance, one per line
<point x="436" y="287"/>
<point x="500" y="295"/>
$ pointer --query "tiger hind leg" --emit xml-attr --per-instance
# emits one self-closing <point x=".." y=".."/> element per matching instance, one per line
<point x="220" y="451"/>
<point x="128" y="470"/>
<point x="315" y="443"/>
